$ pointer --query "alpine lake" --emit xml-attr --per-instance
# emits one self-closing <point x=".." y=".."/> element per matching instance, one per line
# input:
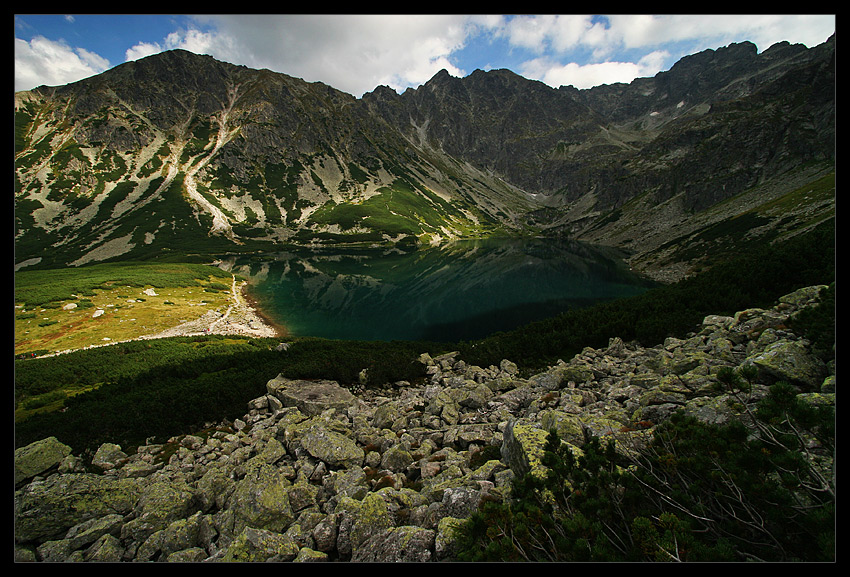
<point x="463" y="291"/>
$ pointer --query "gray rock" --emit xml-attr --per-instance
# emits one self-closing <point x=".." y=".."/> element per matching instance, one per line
<point x="90" y="531"/>
<point x="333" y="448"/>
<point x="792" y="362"/>
<point x="46" y="510"/>
<point x="404" y="544"/>
<point x="38" y="458"/>
<point x="310" y="397"/>
<point x="107" y="549"/>
<point x="109" y="456"/>
<point x="261" y="545"/>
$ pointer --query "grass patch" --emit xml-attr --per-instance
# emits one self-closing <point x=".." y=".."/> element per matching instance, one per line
<point x="397" y="210"/>
<point x="111" y="304"/>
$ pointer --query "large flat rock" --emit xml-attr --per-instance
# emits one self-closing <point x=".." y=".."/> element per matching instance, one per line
<point x="310" y="397"/>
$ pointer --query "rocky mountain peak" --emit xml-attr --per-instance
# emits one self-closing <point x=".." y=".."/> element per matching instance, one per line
<point x="274" y="157"/>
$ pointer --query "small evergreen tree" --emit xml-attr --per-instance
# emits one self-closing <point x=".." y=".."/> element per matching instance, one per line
<point x="699" y="492"/>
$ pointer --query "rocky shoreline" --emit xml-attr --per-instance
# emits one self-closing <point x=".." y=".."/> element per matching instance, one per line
<point x="314" y="472"/>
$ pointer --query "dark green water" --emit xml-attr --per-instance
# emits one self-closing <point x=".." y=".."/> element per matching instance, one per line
<point x="464" y="291"/>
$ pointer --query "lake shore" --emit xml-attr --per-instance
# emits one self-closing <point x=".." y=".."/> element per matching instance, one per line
<point x="243" y="317"/>
<point x="253" y="304"/>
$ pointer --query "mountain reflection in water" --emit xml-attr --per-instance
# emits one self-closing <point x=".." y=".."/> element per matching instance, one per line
<point x="462" y="291"/>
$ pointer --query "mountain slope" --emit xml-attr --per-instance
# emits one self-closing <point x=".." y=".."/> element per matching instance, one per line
<point x="207" y="149"/>
<point x="182" y="153"/>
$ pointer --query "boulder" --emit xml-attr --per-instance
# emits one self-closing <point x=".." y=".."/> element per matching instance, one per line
<point x="333" y="448"/>
<point x="790" y="361"/>
<point x="109" y="456"/>
<point x="261" y="545"/>
<point x="48" y="509"/>
<point x="261" y="500"/>
<point x="38" y="458"/>
<point x="523" y="446"/>
<point x="403" y="544"/>
<point x="310" y="397"/>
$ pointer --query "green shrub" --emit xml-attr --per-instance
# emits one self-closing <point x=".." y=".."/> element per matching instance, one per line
<point x="698" y="493"/>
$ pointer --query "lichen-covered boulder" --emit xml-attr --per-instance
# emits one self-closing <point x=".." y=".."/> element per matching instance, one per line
<point x="261" y="500"/>
<point x="260" y="545"/>
<point x="396" y="459"/>
<point x="47" y="509"/>
<point x="717" y="410"/>
<point x="307" y="555"/>
<point x="39" y="457"/>
<point x="804" y="296"/>
<point x="215" y="487"/>
<point x="385" y="416"/>
<point x="370" y="517"/>
<point x="88" y="532"/>
<point x="109" y="456"/>
<point x="180" y="535"/>
<point x="474" y="395"/>
<point x="107" y="549"/>
<point x="523" y="447"/>
<point x="405" y="544"/>
<point x="790" y="361"/>
<point x="568" y="426"/>
<point x="310" y="397"/>
<point x="160" y="503"/>
<point x="445" y="538"/>
<point x="331" y="447"/>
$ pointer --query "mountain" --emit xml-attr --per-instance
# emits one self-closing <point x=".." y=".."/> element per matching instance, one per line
<point x="180" y="153"/>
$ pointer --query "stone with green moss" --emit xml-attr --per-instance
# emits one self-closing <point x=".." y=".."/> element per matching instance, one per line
<point x="371" y="517"/>
<point x="333" y="448"/>
<point x="567" y="425"/>
<point x="260" y="545"/>
<point x="523" y="447"/>
<point x="261" y="500"/>
<point x="405" y="544"/>
<point x="307" y="555"/>
<point x="790" y="361"/>
<point x="39" y="457"/>
<point x="45" y="510"/>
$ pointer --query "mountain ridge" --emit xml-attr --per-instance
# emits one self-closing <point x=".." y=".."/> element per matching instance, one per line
<point x="181" y="152"/>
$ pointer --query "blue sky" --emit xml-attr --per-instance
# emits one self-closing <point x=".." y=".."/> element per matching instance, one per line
<point x="357" y="53"/>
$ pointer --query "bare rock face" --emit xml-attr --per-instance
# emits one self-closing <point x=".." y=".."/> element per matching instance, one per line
<point x="309" y="397"/>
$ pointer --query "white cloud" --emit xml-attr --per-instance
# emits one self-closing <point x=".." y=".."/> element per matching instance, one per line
<point x="588" y="75"/>
<point x="554" y="33"/>
<point x="141" y="50"/>
<point x="190" y="39"/>
<point x="42" y="61"/>
<point x="560" y="40"/>
<point x="353" y="53"/>
<point x="715" y="30"/>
